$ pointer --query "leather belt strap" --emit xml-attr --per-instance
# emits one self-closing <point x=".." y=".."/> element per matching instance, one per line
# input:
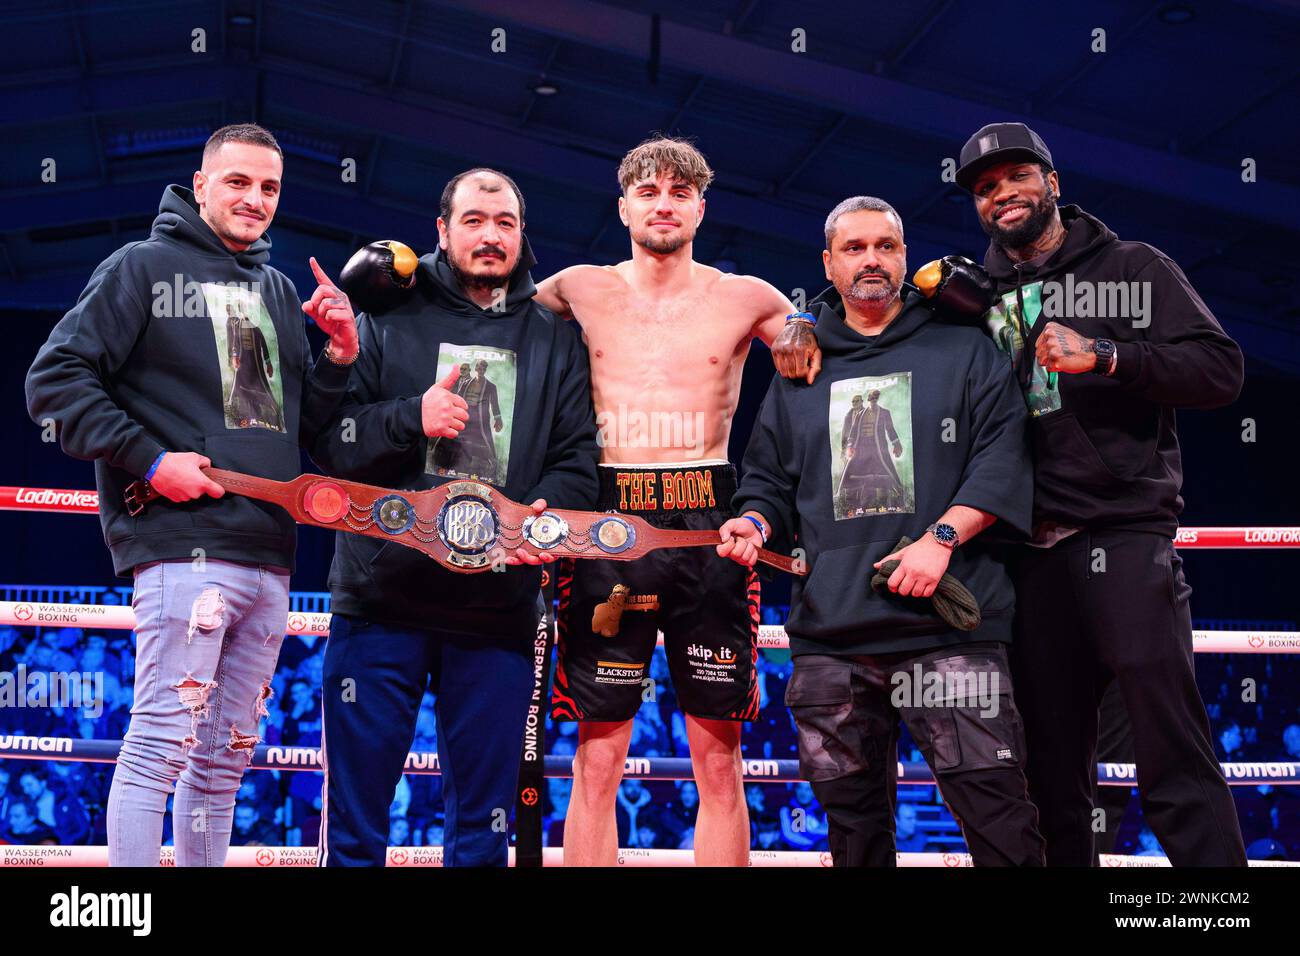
<point x="463" y="524"/>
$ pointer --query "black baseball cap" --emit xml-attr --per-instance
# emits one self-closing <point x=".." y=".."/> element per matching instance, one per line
<point x="1000" y="143"/>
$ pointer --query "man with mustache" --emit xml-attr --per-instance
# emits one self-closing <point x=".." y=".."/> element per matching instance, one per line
<point x="403" y="624"/>
<point x="1101" y="596"/>
<point x="870" y="654"/>
<point x="667" y="337"/>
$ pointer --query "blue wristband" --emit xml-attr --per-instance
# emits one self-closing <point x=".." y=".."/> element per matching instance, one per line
<point x="148" y="475"/>
<point x="759" y="525"/>
<point x="801" y="317"/>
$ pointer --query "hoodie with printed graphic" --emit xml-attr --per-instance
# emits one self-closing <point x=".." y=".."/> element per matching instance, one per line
<point x="179" y="344"/>
<point x="531" y="433"/>
<point x="896" y="429"/>
<point x="1106" y="447"/>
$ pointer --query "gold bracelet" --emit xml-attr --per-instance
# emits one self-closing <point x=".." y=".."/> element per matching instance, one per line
<point x="329" y="354"/>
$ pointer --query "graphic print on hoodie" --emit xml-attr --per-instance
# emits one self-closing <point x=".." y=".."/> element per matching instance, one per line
<point x="248" y="352"/>
<point x="487" y="383"/>
<point x="871" y="446"/>
<point x="1010" y="325"/>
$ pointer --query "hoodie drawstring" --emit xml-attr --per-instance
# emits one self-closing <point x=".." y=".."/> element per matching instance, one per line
<point x="1024" y="365"/>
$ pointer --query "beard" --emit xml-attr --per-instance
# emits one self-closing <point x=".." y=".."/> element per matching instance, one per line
<point x="225" y="229"/>
<point x="861" y="294"/>
<point x="662" y="245"/>
<point x="1027" y="230"/>
<point x="476" y="280"/>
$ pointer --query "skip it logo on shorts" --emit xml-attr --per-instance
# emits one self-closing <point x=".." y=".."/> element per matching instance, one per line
<point x="723" y="655"/>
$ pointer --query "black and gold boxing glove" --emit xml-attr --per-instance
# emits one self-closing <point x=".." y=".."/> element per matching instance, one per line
<point x="379" y="276"/>
<point x="957" y="288"/>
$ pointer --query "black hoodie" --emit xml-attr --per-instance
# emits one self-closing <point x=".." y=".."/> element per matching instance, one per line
<point x="141" y="364"/>
<point x="949" y="429"/>
<point x="1106" y="448"/>
<point x="531" y="433"/>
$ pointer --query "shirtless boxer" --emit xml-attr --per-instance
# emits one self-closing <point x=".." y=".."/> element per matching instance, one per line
<point x="668" y="339"/>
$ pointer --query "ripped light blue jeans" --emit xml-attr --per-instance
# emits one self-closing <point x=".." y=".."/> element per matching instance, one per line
<point x="208" y="637"/>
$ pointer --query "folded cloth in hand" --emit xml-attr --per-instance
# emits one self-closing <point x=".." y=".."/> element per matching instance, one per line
<point x="952" y="602"/>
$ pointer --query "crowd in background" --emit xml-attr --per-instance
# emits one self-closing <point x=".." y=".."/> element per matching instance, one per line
<point x="1253" y="701"/>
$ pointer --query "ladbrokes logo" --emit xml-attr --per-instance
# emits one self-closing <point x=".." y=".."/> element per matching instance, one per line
<point x="62" y="499"/>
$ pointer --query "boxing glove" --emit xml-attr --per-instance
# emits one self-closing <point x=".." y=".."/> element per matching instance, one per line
<point x="957" y="288"/>
<point x="379" y="276"/>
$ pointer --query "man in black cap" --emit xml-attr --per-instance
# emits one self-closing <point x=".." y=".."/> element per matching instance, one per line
<point x="1107" y="338"/>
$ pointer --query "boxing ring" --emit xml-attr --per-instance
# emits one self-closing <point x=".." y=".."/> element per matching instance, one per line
<point x="315" y="624"/>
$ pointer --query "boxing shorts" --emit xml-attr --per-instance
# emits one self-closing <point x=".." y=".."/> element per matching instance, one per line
<point x="611" y="612"/>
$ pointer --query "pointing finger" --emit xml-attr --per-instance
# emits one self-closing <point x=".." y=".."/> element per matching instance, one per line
<point x="321" y="277"/>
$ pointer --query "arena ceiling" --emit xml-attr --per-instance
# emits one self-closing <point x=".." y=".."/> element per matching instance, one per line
<point x="1150" y="135"/>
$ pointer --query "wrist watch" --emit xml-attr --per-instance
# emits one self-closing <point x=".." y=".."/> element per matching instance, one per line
<point x="1105" y="350"/>
<point x="945" y="534"/>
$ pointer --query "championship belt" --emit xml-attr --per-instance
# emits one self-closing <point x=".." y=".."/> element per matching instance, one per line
<point x="462" y="523"/>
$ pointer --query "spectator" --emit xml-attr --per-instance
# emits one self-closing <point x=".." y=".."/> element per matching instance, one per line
<point x="679" y="812"/>
<point x="908" y="836"/>
<point x="426" y="729"/>
<point x="93" y="657"/>
<point x="399" y="832"/>
<point x="301" y="725"/>
<point x="645" y="837"/>
<point x="312" y="668"/>
<point x="633" y="802"/>
<point x="259" y="789"/>
<point x="1291" y="742"/>
<point x="6" y="798"/>
<point x="25" y="829"/>
<point x="688" y="839"/>
<point x="1230" y="741"/>
<point x="649" y="732"/>
<point x="61" y="812"/>
<point x="769" y="835"/>
<point x="10" y="648"/>
<point x="307" y="830"/>
<point x="803" y="822"/>
<point x="249" y="828"/>
<point x="558" y="792"/>
<point x="433" y="834"/>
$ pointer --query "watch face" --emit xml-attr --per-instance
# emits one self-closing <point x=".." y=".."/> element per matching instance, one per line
<point x="945" y="533"/>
